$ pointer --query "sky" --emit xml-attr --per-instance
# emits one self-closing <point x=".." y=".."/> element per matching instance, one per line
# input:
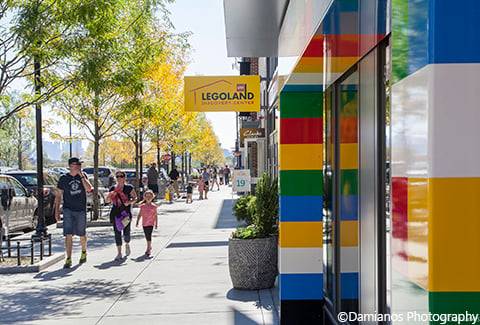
<point x="205" y="19"/>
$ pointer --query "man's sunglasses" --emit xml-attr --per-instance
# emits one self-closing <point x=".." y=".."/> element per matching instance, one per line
<point x="120" y="176"/>
<point x="77" y="164"/>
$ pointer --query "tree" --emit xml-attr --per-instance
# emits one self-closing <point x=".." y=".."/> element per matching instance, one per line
<point x="16" y="135"/>
<point x="117" y="40"/>
<point x="36" y="30"/>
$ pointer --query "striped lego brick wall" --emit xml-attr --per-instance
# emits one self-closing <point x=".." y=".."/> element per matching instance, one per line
<point x="301" y="197"/>
<point x="344" y="41"/>
<point x="436" y="179"/>
<point x="349" y="227"/>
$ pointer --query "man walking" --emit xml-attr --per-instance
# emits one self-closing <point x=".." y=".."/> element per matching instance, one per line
<point x="73" y="187"/>
<point x="152" y="175"/>
<point x="226" y="172"/>
<point x="174" y="177"/>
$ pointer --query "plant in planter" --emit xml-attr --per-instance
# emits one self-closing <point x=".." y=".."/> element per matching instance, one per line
<point x="252" y="250"/>
<point x="241" y="208"/>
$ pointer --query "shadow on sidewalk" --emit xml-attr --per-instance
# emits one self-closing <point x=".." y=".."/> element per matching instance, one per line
<point x="57" y="274"/>
<point x="225" y="218"/>
<point x="60" y="301"/>
<point x="198" y="244"/>
<point x="110" y="264"/>
<point x="240" y="318"/>
<point x="142" y="258"/>
<point x="252" y="296"/>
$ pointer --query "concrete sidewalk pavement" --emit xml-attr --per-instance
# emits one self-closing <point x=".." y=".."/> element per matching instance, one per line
<point x="185" y="281"/>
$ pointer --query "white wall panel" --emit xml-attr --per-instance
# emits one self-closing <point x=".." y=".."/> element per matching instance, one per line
<point x="409" y="120"/>
<point x="301" y="260"/>
<point x="454" y="118"/>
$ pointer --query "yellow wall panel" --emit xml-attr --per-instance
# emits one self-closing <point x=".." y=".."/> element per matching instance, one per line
<point x="348" y="233"/>
<point x="301" y="157"/>
<point x="418" y="231"/>
<point x="348" y="156"/>
<point x="301" y="234"/>
<point x="454" y="241"/>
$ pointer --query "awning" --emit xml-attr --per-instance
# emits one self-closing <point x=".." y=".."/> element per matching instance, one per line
<point x="252" y="27"/>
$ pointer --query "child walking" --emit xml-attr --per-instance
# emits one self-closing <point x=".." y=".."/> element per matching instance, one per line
<point x="201" y="188"/>
<point x="190" y="192"/>
<point x="148" y="212"/>
<point x="170" y="191"/>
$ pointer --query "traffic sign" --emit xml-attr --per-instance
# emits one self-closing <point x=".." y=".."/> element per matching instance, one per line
<point x="167" y="157"/>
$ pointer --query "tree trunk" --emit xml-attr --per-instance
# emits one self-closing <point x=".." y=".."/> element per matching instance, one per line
<point x="140" y="189"/>
<point x="20" y="166"/>
<point x="158" y="149"/>
<point x="138" y="172"/>
<point x="96" y="149"/>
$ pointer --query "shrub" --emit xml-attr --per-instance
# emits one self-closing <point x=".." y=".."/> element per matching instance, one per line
<point x="262" y="209"/>
<point x="242" y="209"/>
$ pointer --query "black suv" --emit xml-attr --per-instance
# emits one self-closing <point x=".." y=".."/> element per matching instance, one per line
<point x="28" y="178"/>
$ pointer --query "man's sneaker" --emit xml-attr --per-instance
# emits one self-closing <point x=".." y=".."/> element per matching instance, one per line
<point x="127" y="251"/>
<point x="68" y="263"/>
<point x="83" y="257"/>
<point x="118" y="257"/>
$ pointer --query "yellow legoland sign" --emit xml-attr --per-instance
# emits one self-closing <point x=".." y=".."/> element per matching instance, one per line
<point x="221" y="93"/>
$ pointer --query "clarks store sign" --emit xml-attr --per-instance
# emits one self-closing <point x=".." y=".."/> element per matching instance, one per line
<point x="251" y="133"/>
<point x="219" y="94"/>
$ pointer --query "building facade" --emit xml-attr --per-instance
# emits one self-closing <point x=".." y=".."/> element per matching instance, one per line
<point x="377" y="151"/>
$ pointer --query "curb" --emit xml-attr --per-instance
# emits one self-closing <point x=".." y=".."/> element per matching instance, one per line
<point x="37" y="267"/>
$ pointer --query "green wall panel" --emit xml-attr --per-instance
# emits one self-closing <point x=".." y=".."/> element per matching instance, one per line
<point x="300" y="104"/>
<point x="301" y="182"/>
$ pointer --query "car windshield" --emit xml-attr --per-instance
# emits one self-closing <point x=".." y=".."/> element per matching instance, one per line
<point x="26" y="180"/>
<point x="102" y="172"/>
<point x="130" y="174"/>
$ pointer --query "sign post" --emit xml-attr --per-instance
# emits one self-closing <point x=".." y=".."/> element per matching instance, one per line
<point x="241" y="180"/>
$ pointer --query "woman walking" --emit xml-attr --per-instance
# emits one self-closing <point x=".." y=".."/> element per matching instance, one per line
<point x="122" y="196"/>
<point x="214" y="178"/>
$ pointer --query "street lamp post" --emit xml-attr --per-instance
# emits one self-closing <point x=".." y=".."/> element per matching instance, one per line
<point x="70" y="132"/>
<point x="41" y="228"/>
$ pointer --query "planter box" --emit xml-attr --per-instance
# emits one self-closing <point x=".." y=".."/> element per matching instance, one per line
<point x="253" y="262"/>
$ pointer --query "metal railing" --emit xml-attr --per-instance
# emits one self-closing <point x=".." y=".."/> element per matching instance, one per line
<point x="18" y="248"/>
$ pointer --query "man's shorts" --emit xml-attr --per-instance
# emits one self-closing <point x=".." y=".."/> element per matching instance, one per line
<point x="74" y="222"/>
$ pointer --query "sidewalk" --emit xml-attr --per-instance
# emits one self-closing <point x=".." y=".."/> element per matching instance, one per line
<point x="186" y="281"/>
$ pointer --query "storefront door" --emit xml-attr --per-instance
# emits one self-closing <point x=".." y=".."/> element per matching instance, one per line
<point x="354" y="240"/>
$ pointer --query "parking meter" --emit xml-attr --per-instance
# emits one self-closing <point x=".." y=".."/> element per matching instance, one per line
<point x="6" y="197"/>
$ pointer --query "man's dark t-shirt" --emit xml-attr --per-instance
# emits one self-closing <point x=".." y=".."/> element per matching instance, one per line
<point x="174" y="175"/>
<point x="74" y="194"/>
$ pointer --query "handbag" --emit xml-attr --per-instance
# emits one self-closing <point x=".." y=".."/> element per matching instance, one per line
<point x="122" y="221"/>
<point x="120" y="216"/>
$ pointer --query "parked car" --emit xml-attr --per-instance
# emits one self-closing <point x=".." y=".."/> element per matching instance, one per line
<point x="60" y="170"/>
<point x="132" y="177"/>
<point x="106" y="175"/>
<point x="22" y="212"/>
<point x="28" y="178"/>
